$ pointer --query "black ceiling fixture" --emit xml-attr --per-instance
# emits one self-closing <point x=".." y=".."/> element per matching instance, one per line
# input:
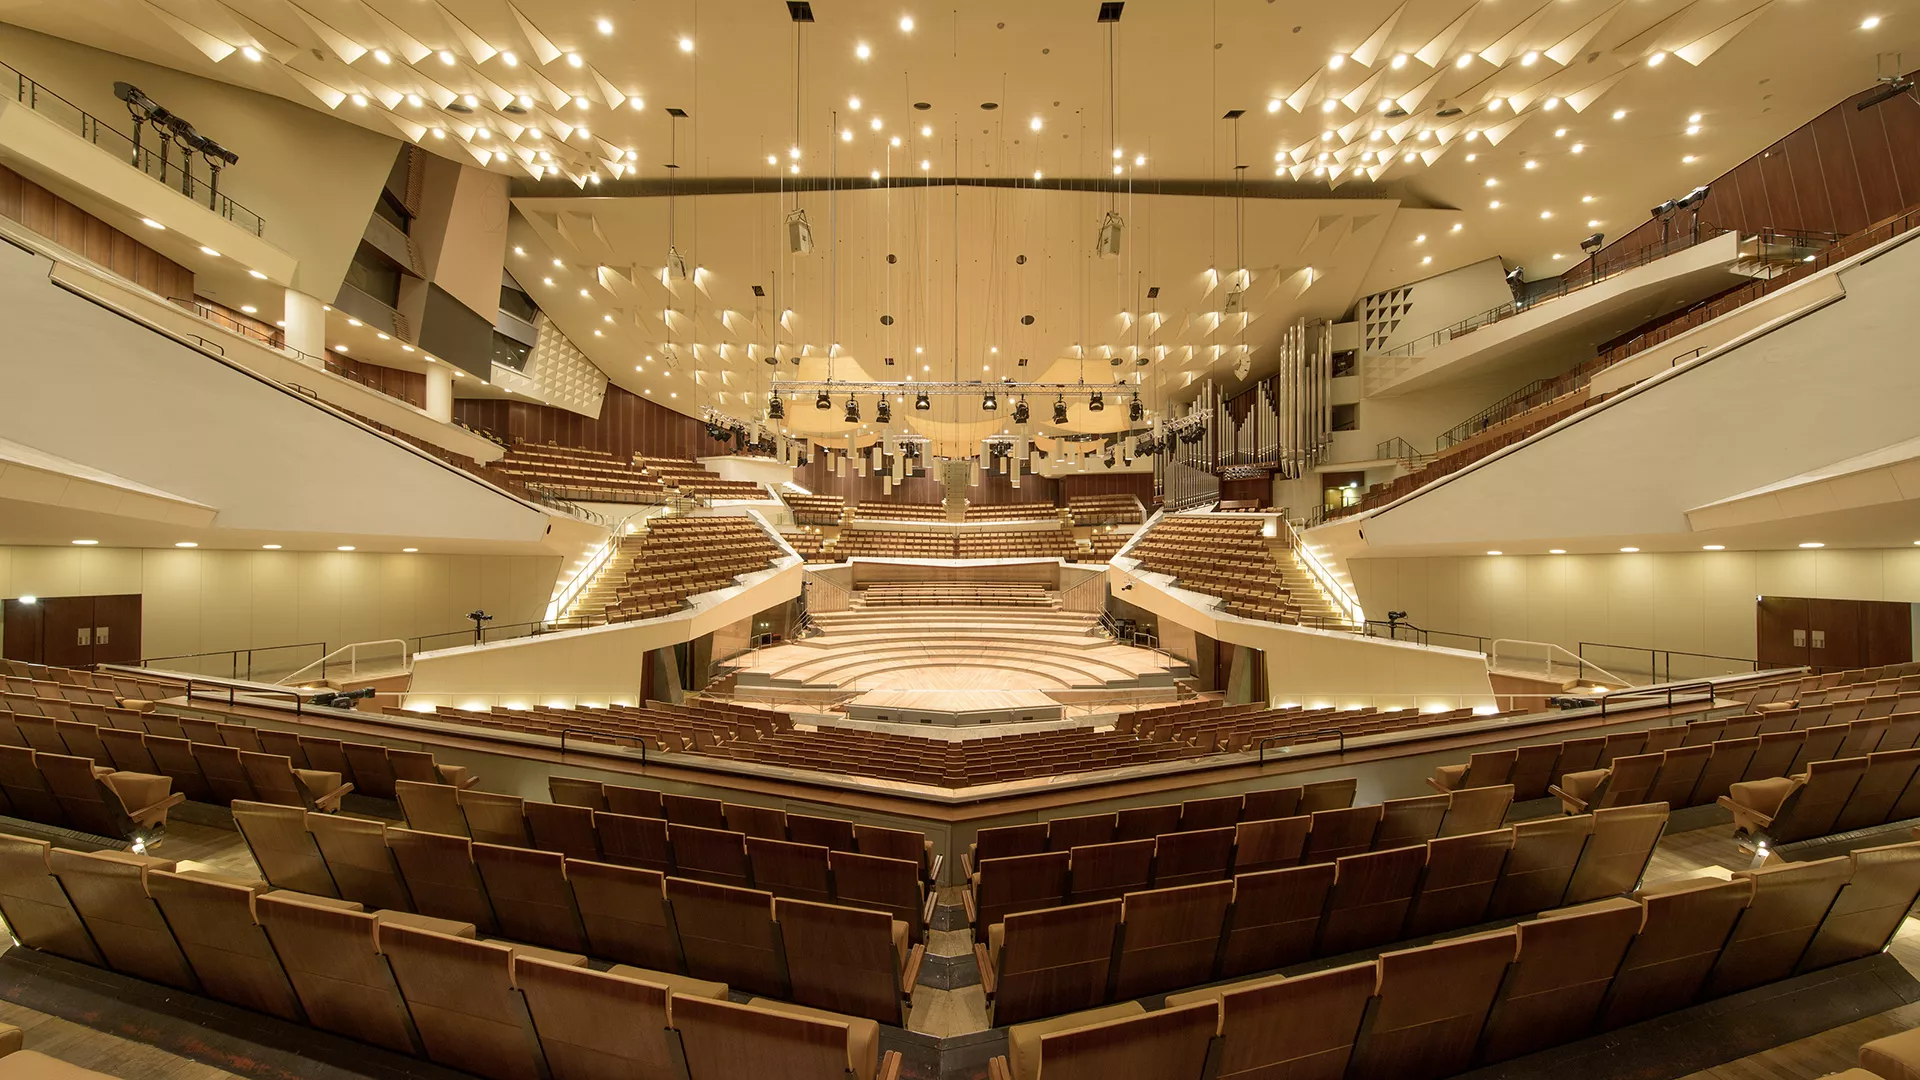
<point x="921" y="402"/>
<point x="990" y="403"/>
<point x="824" y="401"/>
<point x="1135" y="410"/>
<point x="853" y="410"/>
<point x="883" y="412"/>
<point x="1059" y="410"/>
<point x="1020" y="411"/>
<point x="776" y="409"/>
<point x="800" y="10"/>
<point x="923" y="106"/>
<point x="1110" y="12"/>
<point x="1096" y="402"/>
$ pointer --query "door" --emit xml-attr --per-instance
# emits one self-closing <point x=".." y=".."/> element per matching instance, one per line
<point x="1832" y="635"/>
<point x="1781" y="632"/>
<point x="68" y="634"/>
<point x="116" y="629"/>
<point x="20" y="639"/>
<point x="74" y="631"/>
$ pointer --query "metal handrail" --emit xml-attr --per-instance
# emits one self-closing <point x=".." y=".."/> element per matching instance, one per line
<point x="1653" y="656"/>
<point x="1261" y="748"/>
<point x="353" y="651"/>
<point x="91" y="128"/>
<point x="582" y="731"/>
<point x="1668" y="690"/>
<point x="235" y="655"/>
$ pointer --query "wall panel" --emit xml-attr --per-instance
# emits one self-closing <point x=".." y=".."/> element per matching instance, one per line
<point x="60" y="221"/>
<point x="628" y="424"/>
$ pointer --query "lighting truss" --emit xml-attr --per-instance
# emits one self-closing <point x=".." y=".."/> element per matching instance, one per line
<point x="940" y="389"/>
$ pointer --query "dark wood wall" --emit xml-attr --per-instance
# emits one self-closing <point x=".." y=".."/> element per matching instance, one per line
<point x="1257" y="489"/>
<point x="924" y="488"/>
<point x="408" y="386"/>
<point x="65" y="224"/>
<point x="628" y="424"/>
<point x="1139" y="485"/>
<point x="1857" y="633"/>
<point x="1841" y="172"/>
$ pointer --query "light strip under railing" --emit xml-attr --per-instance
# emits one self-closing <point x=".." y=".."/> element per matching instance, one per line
<point x="1349" y="604"/>
<point x="572" y="589"/>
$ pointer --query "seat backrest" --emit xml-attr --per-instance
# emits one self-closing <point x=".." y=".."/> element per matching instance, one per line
<point x="1458" y="882"/>
<point x="36" y="907"/>
<point x="798" y="871"/>
<point x="694" y="810"/>
<point x="1299" y="1027"/>
<point x="1184" y="858"/>
<point x="1727" y="762"/>
<point x="26" y="789"/>
<point x="563" y="828"/>
<point x="173" y="757"/>
<point x="625" y="915"/>
<point x="1170" y="1043"/>
<point x="286" y="852"/>
<point x="359" y="861"/>
<point x="835" y="834"/>
<point x="1328" y="795"/>
<point x="728" y="935"/>
<point x="710" y="854"/>
<point x="414" y="765"/>
<point x="1054" y="961"/>
<point x="372" y="771"/>
<point x="1489" y="767"/>
<point x="441" y="877"/>
<point x="1629" y="778"/>
<point x="1220" y="812"/>
<point x="628" y="840"/>
<point x="1370" y="897"/>
<point x="128" y="750"/>
<point x="890" y="843"/>
<point x="1065" y="834"/>
<point x="1341" y="832"/>
<point x="762" y="821"/>
<point x="1880" y="890"/>
<point x="1889" y="774"/>
<point x="1170" y="937"/>
<point x="287" y="744"/>
<point x="1775" y="754"/>
<point x="1104" y="871"/>
<point x="433" y="808"/>
<point x="272" y="779"/>
<point x="1409" y="821"/>
<point x="1560" y="978"/>
<point x="1620" y="744"/>
<point x="1146" y="822"/>
<point x="1005" y="841"/>
<point x="1789" y="902"/>
<point x="83" y="740"/>
<point x="1815" y="805"/>
<point x="531" y="896"/>
<point x="1430" y="1007"/>
<point x="71" y="780"/>
<point x="634" y="801"/>
<point x="212" y="920"/>
<point x="1579" y="755"/>
<point x="1686" y="924"/>
<point x="844" y="960"/>
<point x="1269" y="843"/>
<point x="1270" y="803"/>
<point x="598" y="1023"/>
<point x="1616" y="853"/>
<point x="1680" y="775"/>
<point x="1475" y="809"/>
<point x="1823" y="744"/>
<point x="109" y="890"/>
<point x="1535" y="767"/>
<point x="569" y="791"/>
<point x="332" y="958"/>
<point x="226" y="777"/>
<point x="722" y="1040"/>
<point x="495" y="819"/>
<point x="889" y="885"/>
<point x="1020" y="883"/>
<point x="1275" y="919"/>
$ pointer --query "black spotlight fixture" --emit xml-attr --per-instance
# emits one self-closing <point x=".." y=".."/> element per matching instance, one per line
<point x="990" y="403"/>
<point x="883" y="412"/>
<point x="776" y="409"/>
<point x="824" y="401"/>
<point x="921" y="402"/>
<point x="853" y="410"/>
<point x="1096" y="402"/>
<point x="1020" y="411"/>
<point x="1109" y="459"/>
<point x="1136" y="411"/>
<point x="1059" y="410"/>
<point x="1593" y="243"/>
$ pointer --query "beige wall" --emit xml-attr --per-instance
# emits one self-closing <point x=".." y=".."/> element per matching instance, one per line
<point x="462" y="232"/>
<point x="1699" y="601"/>
<point x="201" y="600"/>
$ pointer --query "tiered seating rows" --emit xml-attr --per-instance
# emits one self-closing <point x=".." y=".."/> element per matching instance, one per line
<point x="1221" y="556"/>
<point x="53" y="685"/>
<point x="893" y="511"/>
<point x="808" y="543"/>
<point x="424" y="985"/>
<point x="1440" y="1009"/>
<point x="1104" y="546"/>
<point x="1239" y="728"/>
<point x="1838" y="686"/>
<point x="1043" y="961"/>
<point x="695" y="479"/>
<point x="952" y="594"/>
<point x="815" y="509"/>
<point x="881" y="543"/>
<point x="1012" y="512"/>
<point x="682" y="556"/>
<point x="1104" y="509"/>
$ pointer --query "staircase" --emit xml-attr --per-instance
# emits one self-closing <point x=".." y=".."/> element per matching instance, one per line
<point x="1305" y="592"/>
<point x="590" y="604"/>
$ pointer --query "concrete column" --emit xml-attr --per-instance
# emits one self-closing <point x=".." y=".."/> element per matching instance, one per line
<point x="440" y="392"/>
<point x="306" y="320"/>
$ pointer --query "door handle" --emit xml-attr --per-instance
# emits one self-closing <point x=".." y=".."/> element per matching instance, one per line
<point x="83" y="636"/>
<point x="100" y="635"/>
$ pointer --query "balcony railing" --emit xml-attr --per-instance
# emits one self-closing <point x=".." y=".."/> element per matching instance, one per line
<point x="161" y="166"/>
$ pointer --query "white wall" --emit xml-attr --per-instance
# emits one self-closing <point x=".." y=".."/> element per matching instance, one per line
<point x="313" y="178"/>
<point x="201" y="600"/>
<point x="1700" y="601"/>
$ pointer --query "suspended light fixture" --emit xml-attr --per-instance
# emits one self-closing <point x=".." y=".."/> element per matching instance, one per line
<point x="1135" y="410"/>
<point x="883" y="412"/>
<point x="776" y="409"/>
<point x="1096" y="402"/>
<point x="921" y="402"/>
<point x="824" y="401"/>
<point x="1020" y="411"/>
<point x="853" y="410"/>
<point x="1060" y="410"/>
<point x="990" y="403"/>
<point x="676" y="262"/>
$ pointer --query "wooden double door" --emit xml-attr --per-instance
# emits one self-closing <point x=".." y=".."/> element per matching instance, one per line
<point x="73" y="631"/>
<point x="1832" y="634"/>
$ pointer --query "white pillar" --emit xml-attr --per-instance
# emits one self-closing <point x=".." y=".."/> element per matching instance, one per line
<point x="306" y="320"/>
<point x="440" y="392"/>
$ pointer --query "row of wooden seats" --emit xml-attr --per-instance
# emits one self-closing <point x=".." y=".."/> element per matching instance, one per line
<point x="1834" y="796"/>
<point x="951" y="764"/>
<point x="810" y="545"/>
<point x="892" y="544"/>
<point x="1047" y="961"/>
<point x="659" y="725"/>
<point x="1029" y="544"/>
<point x="414" y="984"/>
<point x="616" y="899"/>
<point x="1104" y="868"/>
<point x="1443" y="1008"/>
<point x="1791" y="689"/>
<point x="575" y="472"/>
<point x="694" y="478"/>
<point x="1011" y="511"/>
<point x="1147" y="822"/>
<point x="956" y="594"/>
<point x="1104" y="509"/>
<point x="1102" y="547"/>
<point x="72" y="792"/>
<point x="683" y="556"/>
<point x="1239" y="728"/>
<point x="899" y="511"/>
<point x="815" y="509"/>
<point x="53" y="685"/>
<point x="1223" y="556"/>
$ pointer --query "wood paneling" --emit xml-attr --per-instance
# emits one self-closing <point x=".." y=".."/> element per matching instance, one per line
<point x="1139" y="485"/>
<point x="1840" y="172"/>
<point x="408" y="386"/>
<point x="1858" y="633"/>
<point x="23" y="632"/>
<point x="65" y="224"/>
<point x="1255" y="489"/>
<point x="628" y="424"/>
<point x="924" y="488"/>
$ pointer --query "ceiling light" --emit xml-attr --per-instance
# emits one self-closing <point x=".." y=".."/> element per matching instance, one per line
<point x="1713" y="547"/>
<point x="250" y="53"/>
<point x="862" y="51"/>
<point x="1035" y="123"/>
<point x="1556" y="551"/>
<point x="1619" y="114"/>
<point x="1559" y="133"/>
<point x="1530" y="59"/>
<point x="1869" y="22"/>
<point x="360" y="100"/>
<point x="1532" y="163"/>
<point x="686" y="44"/>
<point x="846" y="134"/>
<point x="446" y="57"/>
<point x="409" y="551"/>
<point x="86" y="543"/>
<point x="1140" y="159"/>
<point x="1326" y="106"/>
<point x="1557" y="256"/>
<point x="1545" y="214"/>
<point x="1494" y="205"/>
<point x="1628" y="550"/>
<point x="256" y="275"/>
<point x="926" y="131"/>
<point x="1464" y="60"/>
<point x="874" y="123"/>
<point x="381" y="55"/>
<point x="1813" y="544"/>
<point x="906" y="24"/>
<point x="794" y="168"/>
<point x="925" y="164"/>
<point x="344" y="547"/>
<point x="605" y="26"/>
<point x="1273" y="106"/>
<point x="1693" y="119"/>
<point x="152" y="224"/>
<point x="1688" y="160"/>
<point x="1457" y="226"/>
<point x="853" y="103"/>
<point x="1593" y="223"/>
<point x="1427" y="260"/>
<point x="249" y="309"/>
<point x="1492" y="182"/>
<point x="1656" y="59"/>
<point x="876" y="174"/>
<point x="1578" y="147"/>
<point x="1038" y="175"/>
<point x="186" y="544"/>
<point x="1693" y="129"/>
<point x="1550" y="104"/>
<point x="772" y="160"/>
<point x="205" y="250"/>
<point x="339" y="348"/>
<point x="1496" y="553"/>
<point x="1471" y="158"/>
<point x="270" y="547"/>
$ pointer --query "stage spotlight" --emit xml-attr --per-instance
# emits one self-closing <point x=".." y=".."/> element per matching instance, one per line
<point x="883" y="412"/>
<point x="1107" y="246"/>
<point x="1593" y="243"/>
<point x="824" y="401"/>
<point x="990" y="403"/>
<point x="1096" y="402"/>
<point x="1109" y="459"/>
<point x="1059" y="410"/>
<point x="1517" y="277"/>
<point x="1135" y="410"/>
<point x="921" y="402"/>
<point x="1020" y="411"/>
<point x="853" y="410"/>
<point x="776" y="409"/>
<point x="1692" y="198"/>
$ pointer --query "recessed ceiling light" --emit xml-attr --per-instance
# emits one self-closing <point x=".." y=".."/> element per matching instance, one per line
<point x="152" y="224"/>
<point x="1869" y="22"/>
<point x="1628" y="550"/>
<point x="906" y="24"/>
<point x="408" y="551"/>
<point x="269" y="547"/>
<point x="1426" y="260"/>
<point x="1550" y="104"/>
<point x="605" y="26"/>
<point x="1813" y="544"/>
<point x="383" y="56"/>
<point x="339" y="348"/>
<point x="1693" y="129"/>
<point x="256" y="275"/>
<point x="186" y="544"/>
<point x="360" y="100"/>
<point x="209" y="252"/>
<point x="1457" y="226"/>
<point x="1273" y="106"/>
<point x="1619" y="114"/>
<point x="1713" y="547"/>
<point x="1688" y="160"/>
<point x="249" y="309"/>
<point x="1038" y="175"/>
<point x="1530" y="59"/>
<point x="446" y="57"/>
<point x="1532" y="163"/>
<point x="1399" y="61"/>
<point x="1556" y="551"/>
<point x="355" y="322"/>
<point x="1326" y="106"/>
<point x="862" y="50"/>
<point x="1656" y="59"/>
<point x="1578" y="147"/>
<point x="1496" y="553"/>
<point x="344" y="547"/>
<point x="250" y="53"/>
<point x="686" y="44"/>
<point x="1464" y="60"/>
<point x="1559" y="133"/>
<point x="1545" y="214"/>
<point x="1337" y="60"/>
<point x="86" y="543"/>
<point x="1494" y="205"/>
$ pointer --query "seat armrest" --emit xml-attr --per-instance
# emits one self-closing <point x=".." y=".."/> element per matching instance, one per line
<point x="927" y="904"/>
<point x="916" y="957"/>
<point x="997" y="1069"/>
<point x="933" y="872"/>
<point x="966" y="904"/>
<point x="1568" y="802"/>
<point x="150" y="815"/>
<point x="330" y="802"/>
<point x="988" y="979"/>
<point x="889" y="1066"/>
<point x="966" y="865"/>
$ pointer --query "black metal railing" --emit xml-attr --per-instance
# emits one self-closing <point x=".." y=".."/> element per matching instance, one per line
<point x="1401" y="630"/>
<point x="241" y="663"/>
<point x="1644" y="696"/>
<point x="598" y="739"/>
<point x="161" y="166"/>
<point x="1659" y="662"/>
<point x="1305" y="736"/>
